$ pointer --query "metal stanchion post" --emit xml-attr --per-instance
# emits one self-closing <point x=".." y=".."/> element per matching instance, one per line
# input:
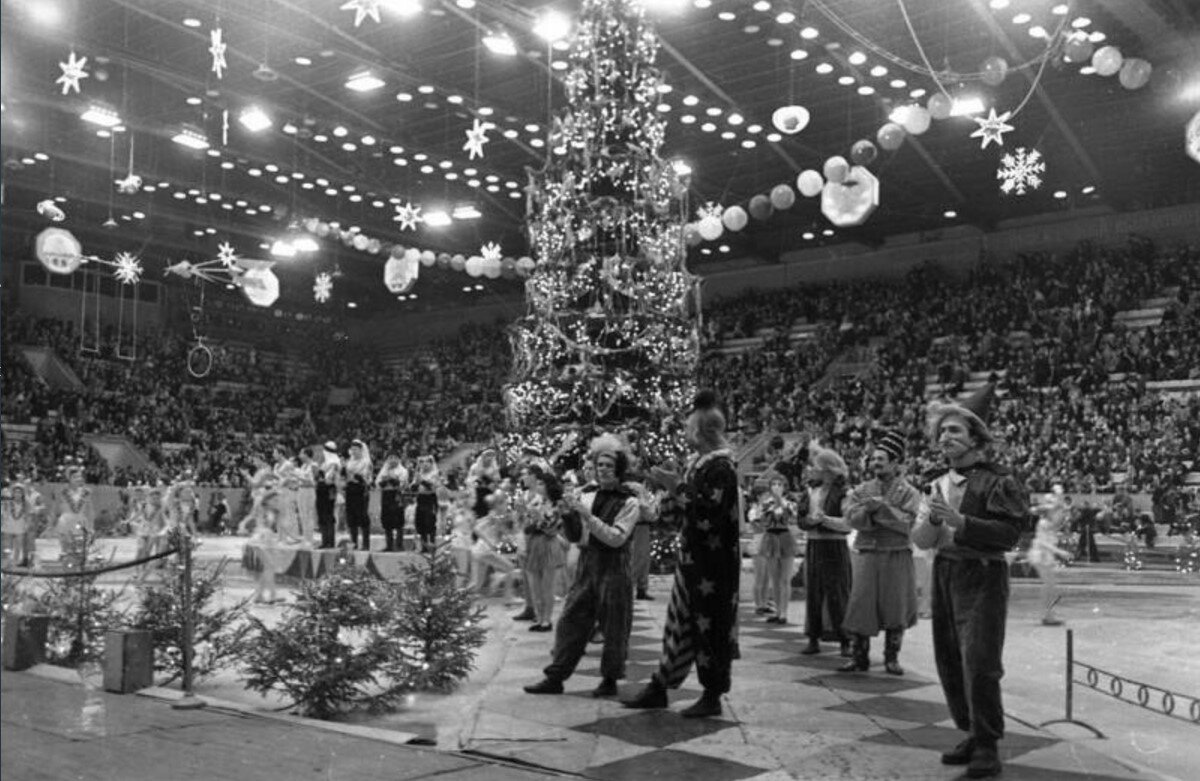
<point x="1070" y="678"/>
<point x="189" y="701"/>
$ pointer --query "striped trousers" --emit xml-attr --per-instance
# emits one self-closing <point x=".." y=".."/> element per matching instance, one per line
<point x="699" y="630"/>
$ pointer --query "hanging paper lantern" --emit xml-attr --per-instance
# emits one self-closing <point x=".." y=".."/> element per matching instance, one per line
<point x="445" y="261"/>
<point x="782" y="197"/>
<point x="710" y="228"/>
<point x="526" y="265"/>
<point x="458" y="262"/>
<point x="1078" y="48"/>
<point x="735" y="218"/>
<point x="374" y="246"/>
<point x="1192" y="137"/>
<point x="890" y="136"/>
<point x="691" y="234"/>
<point x="863" y="152"/>
<point x="428" y="258"/>
<point x="259" y="284"/>
<point x="993" y="71"/>
<point x="508" y="268"/>
<point x="836" y="169"/>
<point x="491" y="268"/>
<point x="474" y="266"/>
<point x="58" y="250"/>
<point x="400" y="274"/>
<point x="360" y="242"/>
<point x="1135" y="72"/>
<point x="322" y="230"/>
<point x="790" y="119"/>
<point x="809" y="183"/>
<point x="1107" y="60"/>
<point x="412" y="255"/>
<point x="760" y="207"/>
<point x="851" y="202"/>
<point x="310" y="224"/>
<point x="915" y="120"/>
<point x="940" y="105"/>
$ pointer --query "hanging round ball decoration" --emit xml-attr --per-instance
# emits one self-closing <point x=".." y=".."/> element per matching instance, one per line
<point x="322" y="230"/>
<point x="508" y="268"/>
<point x="443" y="260"/>
<point x="360" y="242"/>
<point x="1135" y="72"/>
<point x="456" y="262"/>
<point x="735" y="218"/>
<point x="1107" y="60"/>
<point x="259" y="284"/>
<point x="993" y="70"/>
<point x="835" y="169"/>
<point x="782" y="197"/>
<point x="790" y="119"/>
<point x="1191" y="138"/>
<point x="809" y="183"/>
<point x="863" y="152"/>
<point x="851" y="202"/>
<point x="311" y="224"/>
<point x="760" y="207"/>
<point x="474" y="266"/>
<point x="1078" y="49"/>
<point x="428" y="258"/>
<point x="691" y="234"/>
<point x="58" y="250"/>
<point x="916" y="120"/>
<point x="399" y="274"/>
<point x="525" y="265"/>
<point x="890" y="136"/>
<point x="710" y="228"/>
<point x="412" y="255"/>
<point x="374" y="246"/>
<point x="940" y="105"/>
<point x="491" y="268"/>
<point x="396" y="251"/>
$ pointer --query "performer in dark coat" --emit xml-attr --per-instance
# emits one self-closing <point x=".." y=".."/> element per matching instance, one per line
<point x="702" y="616"/>
<point x="827" y="570"/>
<point x="975" y="513"/>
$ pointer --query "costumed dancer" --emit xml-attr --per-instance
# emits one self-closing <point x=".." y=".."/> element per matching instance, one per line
<point x="883" y="594"/>
<point x="827" y="570"/>
<point x="462" y="532"/>
<point x="287" y="482"/>
<point x="483" y="477"/>
<point x="14" y="520"/>
<point x="763" y="605"/>
<point x="262" y="524"/>
<point x="181" y="507"/>
<point x="138" y="521"/>
<point x="976" y="513"/>
<point x="1044" y="552"/>
<point x="33" y="528"/>
<point x="328" y="473"/>
<point x="544" y="555"/>
<point x="306" y="497"/>
<point x="357" y="474"/>
<point x="702" y="616"/>
<point x="392" y="480"/>
<point x="494" y="548"/>
<point x="425" y="517"/>
<point x="154" y="520"/>
<point x="600" y="520"/>
<point x="647" y="515"/>
<point x="776" y="515"/>
<point x="75" y="524"/>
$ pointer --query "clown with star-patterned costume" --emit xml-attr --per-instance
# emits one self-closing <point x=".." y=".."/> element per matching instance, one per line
<point x="702" y="616"/>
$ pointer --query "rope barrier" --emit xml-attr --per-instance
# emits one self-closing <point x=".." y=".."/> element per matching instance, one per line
<point x="28" y="573"/>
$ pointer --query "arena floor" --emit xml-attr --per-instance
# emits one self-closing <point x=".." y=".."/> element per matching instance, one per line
<point x="792" y="716"/>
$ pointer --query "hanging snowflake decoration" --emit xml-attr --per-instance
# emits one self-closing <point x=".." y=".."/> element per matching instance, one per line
<point x="226" y="254"/>
<point x="217" y="50"/>
<point x="128" y="270"/>
<point x="408" y="216"/>
<point x="72" y="72"/>
<point x="710" y="210"/>
<point x="362" y="9"/>
<point x="476" y="138"/>
<point x="992" y="128"/>
<point x="491" y="251"/>
<point x="322" y="287"/>
<point x="1021" y="171"/>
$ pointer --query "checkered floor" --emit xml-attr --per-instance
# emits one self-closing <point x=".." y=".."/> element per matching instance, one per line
<point x="788" y="717"/>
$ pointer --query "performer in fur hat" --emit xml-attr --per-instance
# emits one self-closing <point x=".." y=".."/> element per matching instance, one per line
<point x="974" y="515"/>
<point x="826" y="556"/>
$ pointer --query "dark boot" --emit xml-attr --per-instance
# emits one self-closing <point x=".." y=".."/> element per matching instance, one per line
<point x="709" y="704"/>
<point x="861" y="656"/>
<point x="607" y="688"/>
<point x="654" y="695"/>
<point x="985" y="762"/>
<point x="545" y="686"/>
<point x="891" y="651"/>
<point x="813" y="647"/>
<point x="847" y="648"/>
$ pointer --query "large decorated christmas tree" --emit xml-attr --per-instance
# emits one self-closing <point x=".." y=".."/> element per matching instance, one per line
<point x="610" y="340"/>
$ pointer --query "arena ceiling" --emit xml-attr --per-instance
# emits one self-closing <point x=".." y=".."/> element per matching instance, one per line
<point x="335" y="154"/>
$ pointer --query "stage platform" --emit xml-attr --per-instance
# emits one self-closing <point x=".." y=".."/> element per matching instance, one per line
<point x="307" y="563"/>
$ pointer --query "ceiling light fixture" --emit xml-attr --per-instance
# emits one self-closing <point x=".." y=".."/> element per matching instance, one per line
<point x="254" y="119"/>
<point x="467" y="211"/>
<point x="364" y="81"/>
<point x="101" y="115"/>
<point x="498" y="41"/>
<point x="552" y="26"/>
<point x="437" y="219"/>
<point x="808" y="33"/>
<point x="191" y="138"/>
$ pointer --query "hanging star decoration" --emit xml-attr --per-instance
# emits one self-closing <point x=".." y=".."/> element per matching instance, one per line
<point x="1021" y="171"/>
<point x="992" y="128"/>
<point x="72" y="72"/>
<point x="408" y="216"/>
<point x="128" y="270"/>
<point x="476" y="138"/>
<point x="322" y="287"/>
<point x="226" y="254"/>
<point x="491" y="251"/>
<point x="362" y="9"/>
<point x="217" y="50"/>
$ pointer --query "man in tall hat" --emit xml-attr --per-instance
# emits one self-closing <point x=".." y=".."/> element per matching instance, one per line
<point x="702" y="615"/>
<point x="975" y="513"/>
<point x="883" y="593"/>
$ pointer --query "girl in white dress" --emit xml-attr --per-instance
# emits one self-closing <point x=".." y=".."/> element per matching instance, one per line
<point x="75" y="515"/>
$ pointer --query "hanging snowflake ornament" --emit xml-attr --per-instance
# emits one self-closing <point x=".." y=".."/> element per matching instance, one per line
<point x="322" y="287"/>
<point x="128" y="269"/>
<point x="362" y="9"/>
<point x="408" y="216"/>
<point x="217" y="50"/>
<point x="992" y="128"/>
<point x="476" y="138"/>
<point x="72" y="71"/>
<point x="1021" y="171"/>
<point x="491" y="251"/>
<point x="710" y="210"/>
<point x="226" y="254"/>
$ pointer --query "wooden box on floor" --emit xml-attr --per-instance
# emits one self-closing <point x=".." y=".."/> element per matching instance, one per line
<point x="24" y="640"/>
<point x="128" y="660"/>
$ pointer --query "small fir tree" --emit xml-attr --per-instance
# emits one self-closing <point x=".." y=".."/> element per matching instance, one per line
<point x="80" y="610"/>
